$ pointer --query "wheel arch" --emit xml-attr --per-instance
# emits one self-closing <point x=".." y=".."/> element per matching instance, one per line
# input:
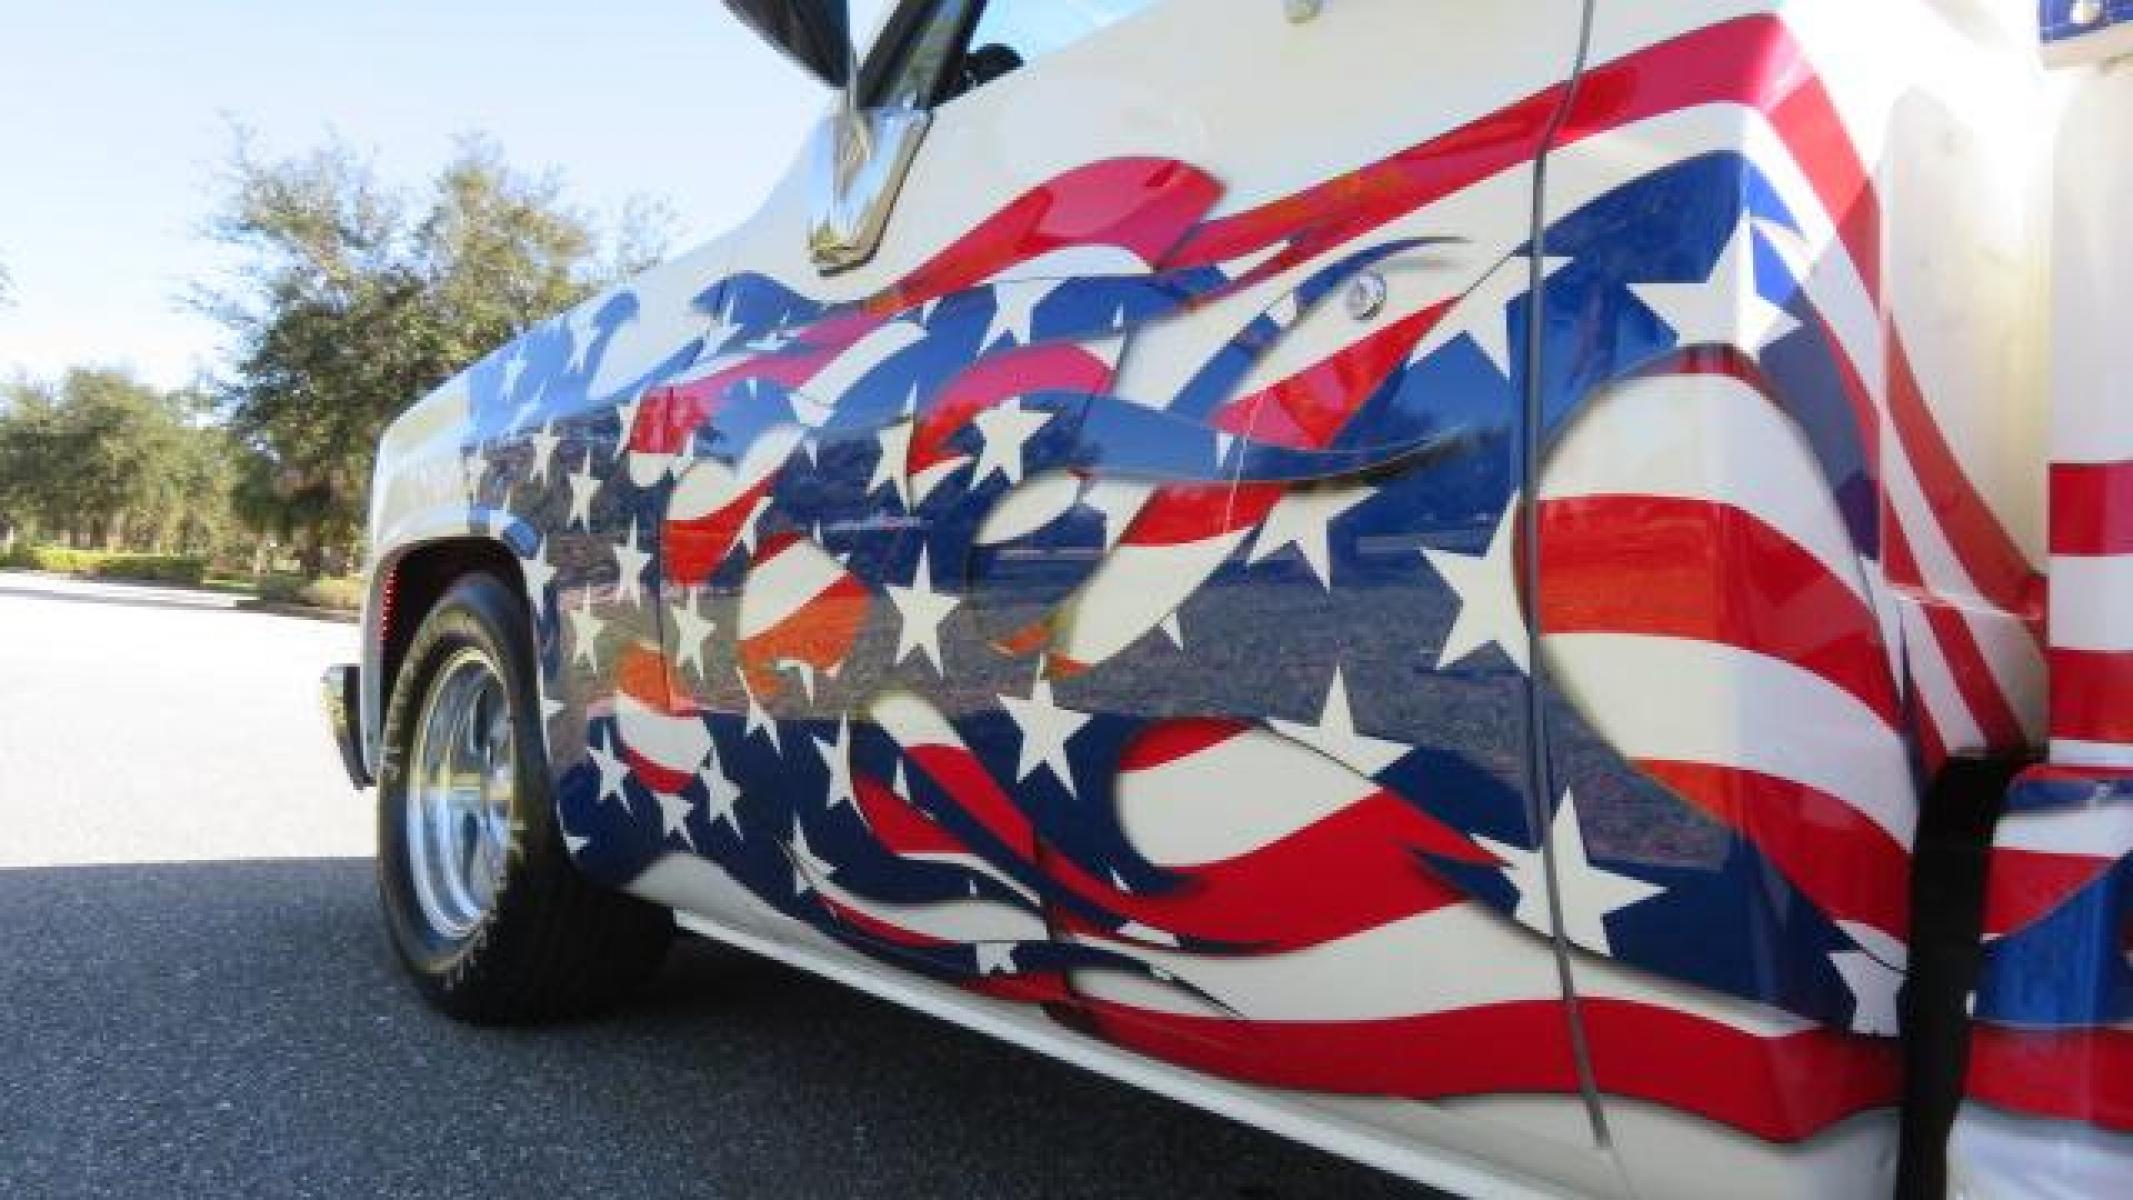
<point x="404" y="587"/>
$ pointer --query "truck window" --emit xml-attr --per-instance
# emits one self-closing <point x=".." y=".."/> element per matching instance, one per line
<point x="1014" y="33"/>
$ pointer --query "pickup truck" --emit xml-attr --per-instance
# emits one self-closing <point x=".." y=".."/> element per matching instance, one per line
<point x="1540" y="594"/>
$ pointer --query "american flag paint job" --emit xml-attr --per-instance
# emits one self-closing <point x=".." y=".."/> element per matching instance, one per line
<point x="1205" y="720"/>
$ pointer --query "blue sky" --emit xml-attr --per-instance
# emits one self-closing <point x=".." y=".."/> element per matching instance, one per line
<point x="114" y="121"/>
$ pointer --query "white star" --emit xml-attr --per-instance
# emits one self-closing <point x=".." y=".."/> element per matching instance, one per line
<point x="1304" y="519"/>
<point x="1875" y="974"/>
<point x="801" y="670"/>
<point x="585" y="633"/>
<point x="837" y="759"/>
<point x="806" y="865"/>
<point x="627" y="414"/>
<point x="749" y="530"/>
<point x="1487" y="591"/>
<point x="1590" y="894"/>
<point x="996" y="958"/>
<point x="892" y="468"/>
<point x="613" y="771"/>
<point x="514" y="368"/>
<point x="758" y="721"/>
<point x="551" y="708"/>
<point x="631" y="561"/>
<point x="1335" y="736"/>
<point x="721" y="329"/>
<point x="544" y="444"/>
<point x="674" y="817"/>
<point x="1046" y="729"/>
<point x="1007" y="429"/>
<point x="539" y="574"/>
<point x="582" y="488"/>
<point x="691" y="630"/>
<point x="721" y="793"/>
<point x="1725" y="309"/>
<point x="1173" y="629"/>
<point x="1016" y="311"/>
<point x="922" y="609"/>
<point x="1484" y="314"/>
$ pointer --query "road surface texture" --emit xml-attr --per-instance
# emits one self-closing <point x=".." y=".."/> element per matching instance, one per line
<point x="196" y="998"/>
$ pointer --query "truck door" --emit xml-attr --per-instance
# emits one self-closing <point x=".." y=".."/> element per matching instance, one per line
<point x="1111" y="479"/>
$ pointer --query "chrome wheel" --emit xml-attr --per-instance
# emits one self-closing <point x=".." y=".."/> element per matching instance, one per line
<point x="459" y="796"/>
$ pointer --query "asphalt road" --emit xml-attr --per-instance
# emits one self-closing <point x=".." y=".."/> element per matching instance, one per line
<point x="196" y="998"/>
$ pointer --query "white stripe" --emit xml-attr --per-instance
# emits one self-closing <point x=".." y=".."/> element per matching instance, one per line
<point x="784" y="584"/>
<point x="1031" y="507"/>
<point x="1711" y="438"/>
<point x="960" y="921"/>
<point x="1230" y="799"/>
<point x="2091" y="601"/>
<point x="676" y="743"/>
<point x="709" y="485"/>
<point x="912" y="722"/>
<point x="1392" y="971"/>
<point x="2011" y="653"/>
<point x="1935" y="682"/>
<point x="2104" y="831"/>
<point x="843" y="373"/>
<point x="1133" y="589"/>
<point x="2074" y="752"/>
<point x="1723" y="705"/>
<point x="1087" y="260"/>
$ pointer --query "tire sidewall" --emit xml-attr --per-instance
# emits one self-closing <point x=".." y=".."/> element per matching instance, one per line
<point x="482" y="613"/>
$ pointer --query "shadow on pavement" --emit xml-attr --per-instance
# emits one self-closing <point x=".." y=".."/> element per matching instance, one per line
<point x="241" y="1028"/>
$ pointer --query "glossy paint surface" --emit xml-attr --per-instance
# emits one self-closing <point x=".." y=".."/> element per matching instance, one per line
<point x="1086" y="608"/>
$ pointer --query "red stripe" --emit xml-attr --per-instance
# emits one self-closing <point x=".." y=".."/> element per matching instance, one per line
<point x="898" y="825"/>
<point x="1186" y="513"/>
<point x="2023" y="886"/>
<point x="1670" y="567"/>
<point x="1308" y="410"/>
<point x="655" y="776"/>
<point x="1783" y="1089"/>
<point x="695" y="546"/>
<point x="2092" y="695"/>
<point x="1975" y="684"/>
<point x="1271" y="899"/>
<point x="2092" y="509"/>
<point x="1851" y="868"/>
<point x="1142" y="205"/>
<point x="820" y="633"/>
<point x="1052" y="367"/>
<point x="1276" y="898"/>
<point x="2071" y="1075"/>
<point x="1988" y="554"/>
<point x="1169" y="741"/>
<point x="1989" y="705"/>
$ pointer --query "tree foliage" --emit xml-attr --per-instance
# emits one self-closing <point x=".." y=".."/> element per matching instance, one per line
<point x="101" y="460"/>
<point x="353" y="300"/>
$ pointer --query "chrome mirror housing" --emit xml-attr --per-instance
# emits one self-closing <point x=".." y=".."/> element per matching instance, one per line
<point x="859" y="161"/>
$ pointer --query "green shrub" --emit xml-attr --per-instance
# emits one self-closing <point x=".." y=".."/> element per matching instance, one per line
<point x="145" y="568"/>
<point x="339" y="594"/>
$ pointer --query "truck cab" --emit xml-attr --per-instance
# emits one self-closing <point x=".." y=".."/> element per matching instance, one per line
<point x="1404" y="570"/>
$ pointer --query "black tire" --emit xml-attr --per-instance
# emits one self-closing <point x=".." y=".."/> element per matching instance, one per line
<point x="553" y="945"/>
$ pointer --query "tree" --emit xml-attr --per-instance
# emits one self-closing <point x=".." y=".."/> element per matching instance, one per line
<point x="105" y="461"/>
<point x="353" y="302"/>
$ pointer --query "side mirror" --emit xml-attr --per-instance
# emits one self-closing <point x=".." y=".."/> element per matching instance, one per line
<point x="859" y="161"/>
<point x="817" y="34"/>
